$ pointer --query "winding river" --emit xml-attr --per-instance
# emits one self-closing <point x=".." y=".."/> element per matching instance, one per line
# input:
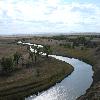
<point x="72" y="86"/>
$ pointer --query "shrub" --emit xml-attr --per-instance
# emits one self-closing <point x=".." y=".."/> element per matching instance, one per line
<point x="17" y="56"/>
<point x="7" y="64"/>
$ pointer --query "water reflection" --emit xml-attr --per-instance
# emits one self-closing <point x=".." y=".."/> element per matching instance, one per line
<point x="72" y="86"/>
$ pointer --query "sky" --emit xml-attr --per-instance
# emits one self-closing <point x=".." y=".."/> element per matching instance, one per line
<point x="32" y="16"/>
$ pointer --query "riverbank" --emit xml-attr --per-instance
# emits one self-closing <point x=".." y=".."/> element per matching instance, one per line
<point x="90" y="56"/>
<point x="33" y="79"/>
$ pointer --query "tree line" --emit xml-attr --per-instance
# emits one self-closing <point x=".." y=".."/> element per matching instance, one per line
<point x="8" y="64"/>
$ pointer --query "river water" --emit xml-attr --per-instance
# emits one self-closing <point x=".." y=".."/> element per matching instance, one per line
<point x="72" y="86"/>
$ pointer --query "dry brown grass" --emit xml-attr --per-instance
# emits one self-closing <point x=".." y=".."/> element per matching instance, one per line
<point x="24" y="81"/>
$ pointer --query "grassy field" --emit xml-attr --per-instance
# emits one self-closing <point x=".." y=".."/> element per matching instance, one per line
<point x="28" y="80"/>
<point x="49" y="72"/>
<point x="88" y="54"/>
<point x="85" y="54"/>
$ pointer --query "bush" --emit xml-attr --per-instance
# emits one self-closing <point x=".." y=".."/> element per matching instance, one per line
<point x="7" y="64"/>
<point x="17" y="56"/>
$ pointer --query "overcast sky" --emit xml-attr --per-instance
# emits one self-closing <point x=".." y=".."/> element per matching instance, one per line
<point x="28" y="16"/>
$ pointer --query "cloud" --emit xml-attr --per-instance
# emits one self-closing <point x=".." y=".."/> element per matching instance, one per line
<point x="48" y="15"/>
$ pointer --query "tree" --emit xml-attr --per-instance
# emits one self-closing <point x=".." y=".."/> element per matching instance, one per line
<point x="22" y="60"/>
<point x="47" y="50"/>
<point x="31" y="55"/>
<point x="28" y="48"/>
<point x="36" y="53"/>
<point x="81" y="40"/>
<point x="7" y="64"/>
<point x="17" y="56"/>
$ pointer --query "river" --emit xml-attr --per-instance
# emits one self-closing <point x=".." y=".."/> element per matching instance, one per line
<point x="72" y="86"/>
